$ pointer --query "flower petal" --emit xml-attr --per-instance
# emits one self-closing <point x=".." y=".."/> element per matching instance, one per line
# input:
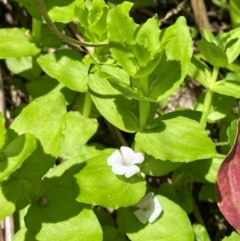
<point x="157" y="211"/>
<point x="138" y="157"/>
<point x="141" y="215"/>
<point x="145" y="201"/>
<point x="127" y="154"/>
<point x="119" y="169"/>
<point x="115" y="158"/>
<point x="131" y="170"/>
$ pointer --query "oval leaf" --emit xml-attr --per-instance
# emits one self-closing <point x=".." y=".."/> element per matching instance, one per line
<point x="173" y="224"/>
<point x="9" y="47"/>
<point x="44" y="118"/>
<point x="66" y="66"/>
<point x="178" y="139"/>
<point x="100" y="186"/>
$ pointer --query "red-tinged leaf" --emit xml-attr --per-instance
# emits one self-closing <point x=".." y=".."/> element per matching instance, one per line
<point x="228" y="184"/>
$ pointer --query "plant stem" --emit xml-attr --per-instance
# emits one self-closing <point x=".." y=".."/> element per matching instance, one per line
<point x="87" y="105"/>
<point x="144" y="106"/>
<point x="37" y="29"/>
<point x="208" y="98"/>
<point x="54" y="29"/>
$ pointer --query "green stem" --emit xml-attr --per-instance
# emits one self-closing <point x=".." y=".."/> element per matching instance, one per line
<point x="208" y="98"/>
<point x="87" y="105"/>
<point x="54" y="29"/>
<point x="144" y="106"/>
<point x="37" y="29"/>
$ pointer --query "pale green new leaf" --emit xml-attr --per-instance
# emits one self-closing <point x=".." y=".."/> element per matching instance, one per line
<point x="227" y="87"/>
<point x="231" y="132"/>
<point x="179" y="140"/>
<point x="136" y="47"/>
<point x="15" y="43"/>
<point x="92" y="18"/>
<point x="176" y="56"/>
<point x="230" y="44"/>
<point x="172" y="224"/>
<point x="58" y="10"/>
<point x="66" y="66"/>
<point x="198" y="70"/>
<point x="78" y="131"/>
<point x="44" y="118"/>
<point x="110" y="190"/>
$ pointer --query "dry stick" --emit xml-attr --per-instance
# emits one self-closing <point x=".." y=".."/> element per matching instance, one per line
<point x="200" y="13"/>
<point x="2" y="96"/>
<point x="172" y="12"/>
<point x="9" y="228"/>
<point x="1" y="231"/>
<point x="54" y="29"/>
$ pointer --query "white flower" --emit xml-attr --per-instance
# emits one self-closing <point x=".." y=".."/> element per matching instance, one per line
<point x="149" y="209"/>
<point x="123" y="163"/>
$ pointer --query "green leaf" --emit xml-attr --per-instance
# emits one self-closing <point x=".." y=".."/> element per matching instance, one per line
<point x="110" y="234"/>
<point x="15" y="153"/>
<point x="173" y="224"/>
<point x="200" y="232"/>
<point x="168" y="138"/>
<point x="176" y="55"/>
<point x="36" y="165"/>
<point x="230" y="44"/>
<point x="15" y="194"/>
<point x="109" y="189"/>
<point x="44" y="118"/>
<point x="92" y="18"/>
<point x="120" y="80"/>
<point x="202" y="170"/>
<point x="113" y="106"/>
<point x="54" y="216"/>
<point x="179" y="195"/>
<point x="235" y="12"/>
<point x="135" y="47"/>
<point x="46" y="85"/>
<point x="2" y="131"/>
<point x="58" y="10"/>
<point x="227" y="87"/>
<point x="23" y="235"/>
<point x="208" y="193"/>
<point x="10" y="48"/>
<point x="78" y="131"/>
<point x="233" y="237"/>
<point x="220" y="108"/>
<point x="208" y="35"/>
<point x="213" y="54"/>
<point x="24" y="67"/>
<point x="231" y="132"/>
<point x="156" y="167"/>
<point x="65" y="65"/>
<point x="199" y="71"/>
<point x="49" y="39"/>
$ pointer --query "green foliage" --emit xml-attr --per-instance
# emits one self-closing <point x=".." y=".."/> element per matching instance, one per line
<point x="54" y="167"/>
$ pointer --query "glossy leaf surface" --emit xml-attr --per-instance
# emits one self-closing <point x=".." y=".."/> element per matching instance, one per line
<point x="168" y="137"/>
<point x="108" y="188"/>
